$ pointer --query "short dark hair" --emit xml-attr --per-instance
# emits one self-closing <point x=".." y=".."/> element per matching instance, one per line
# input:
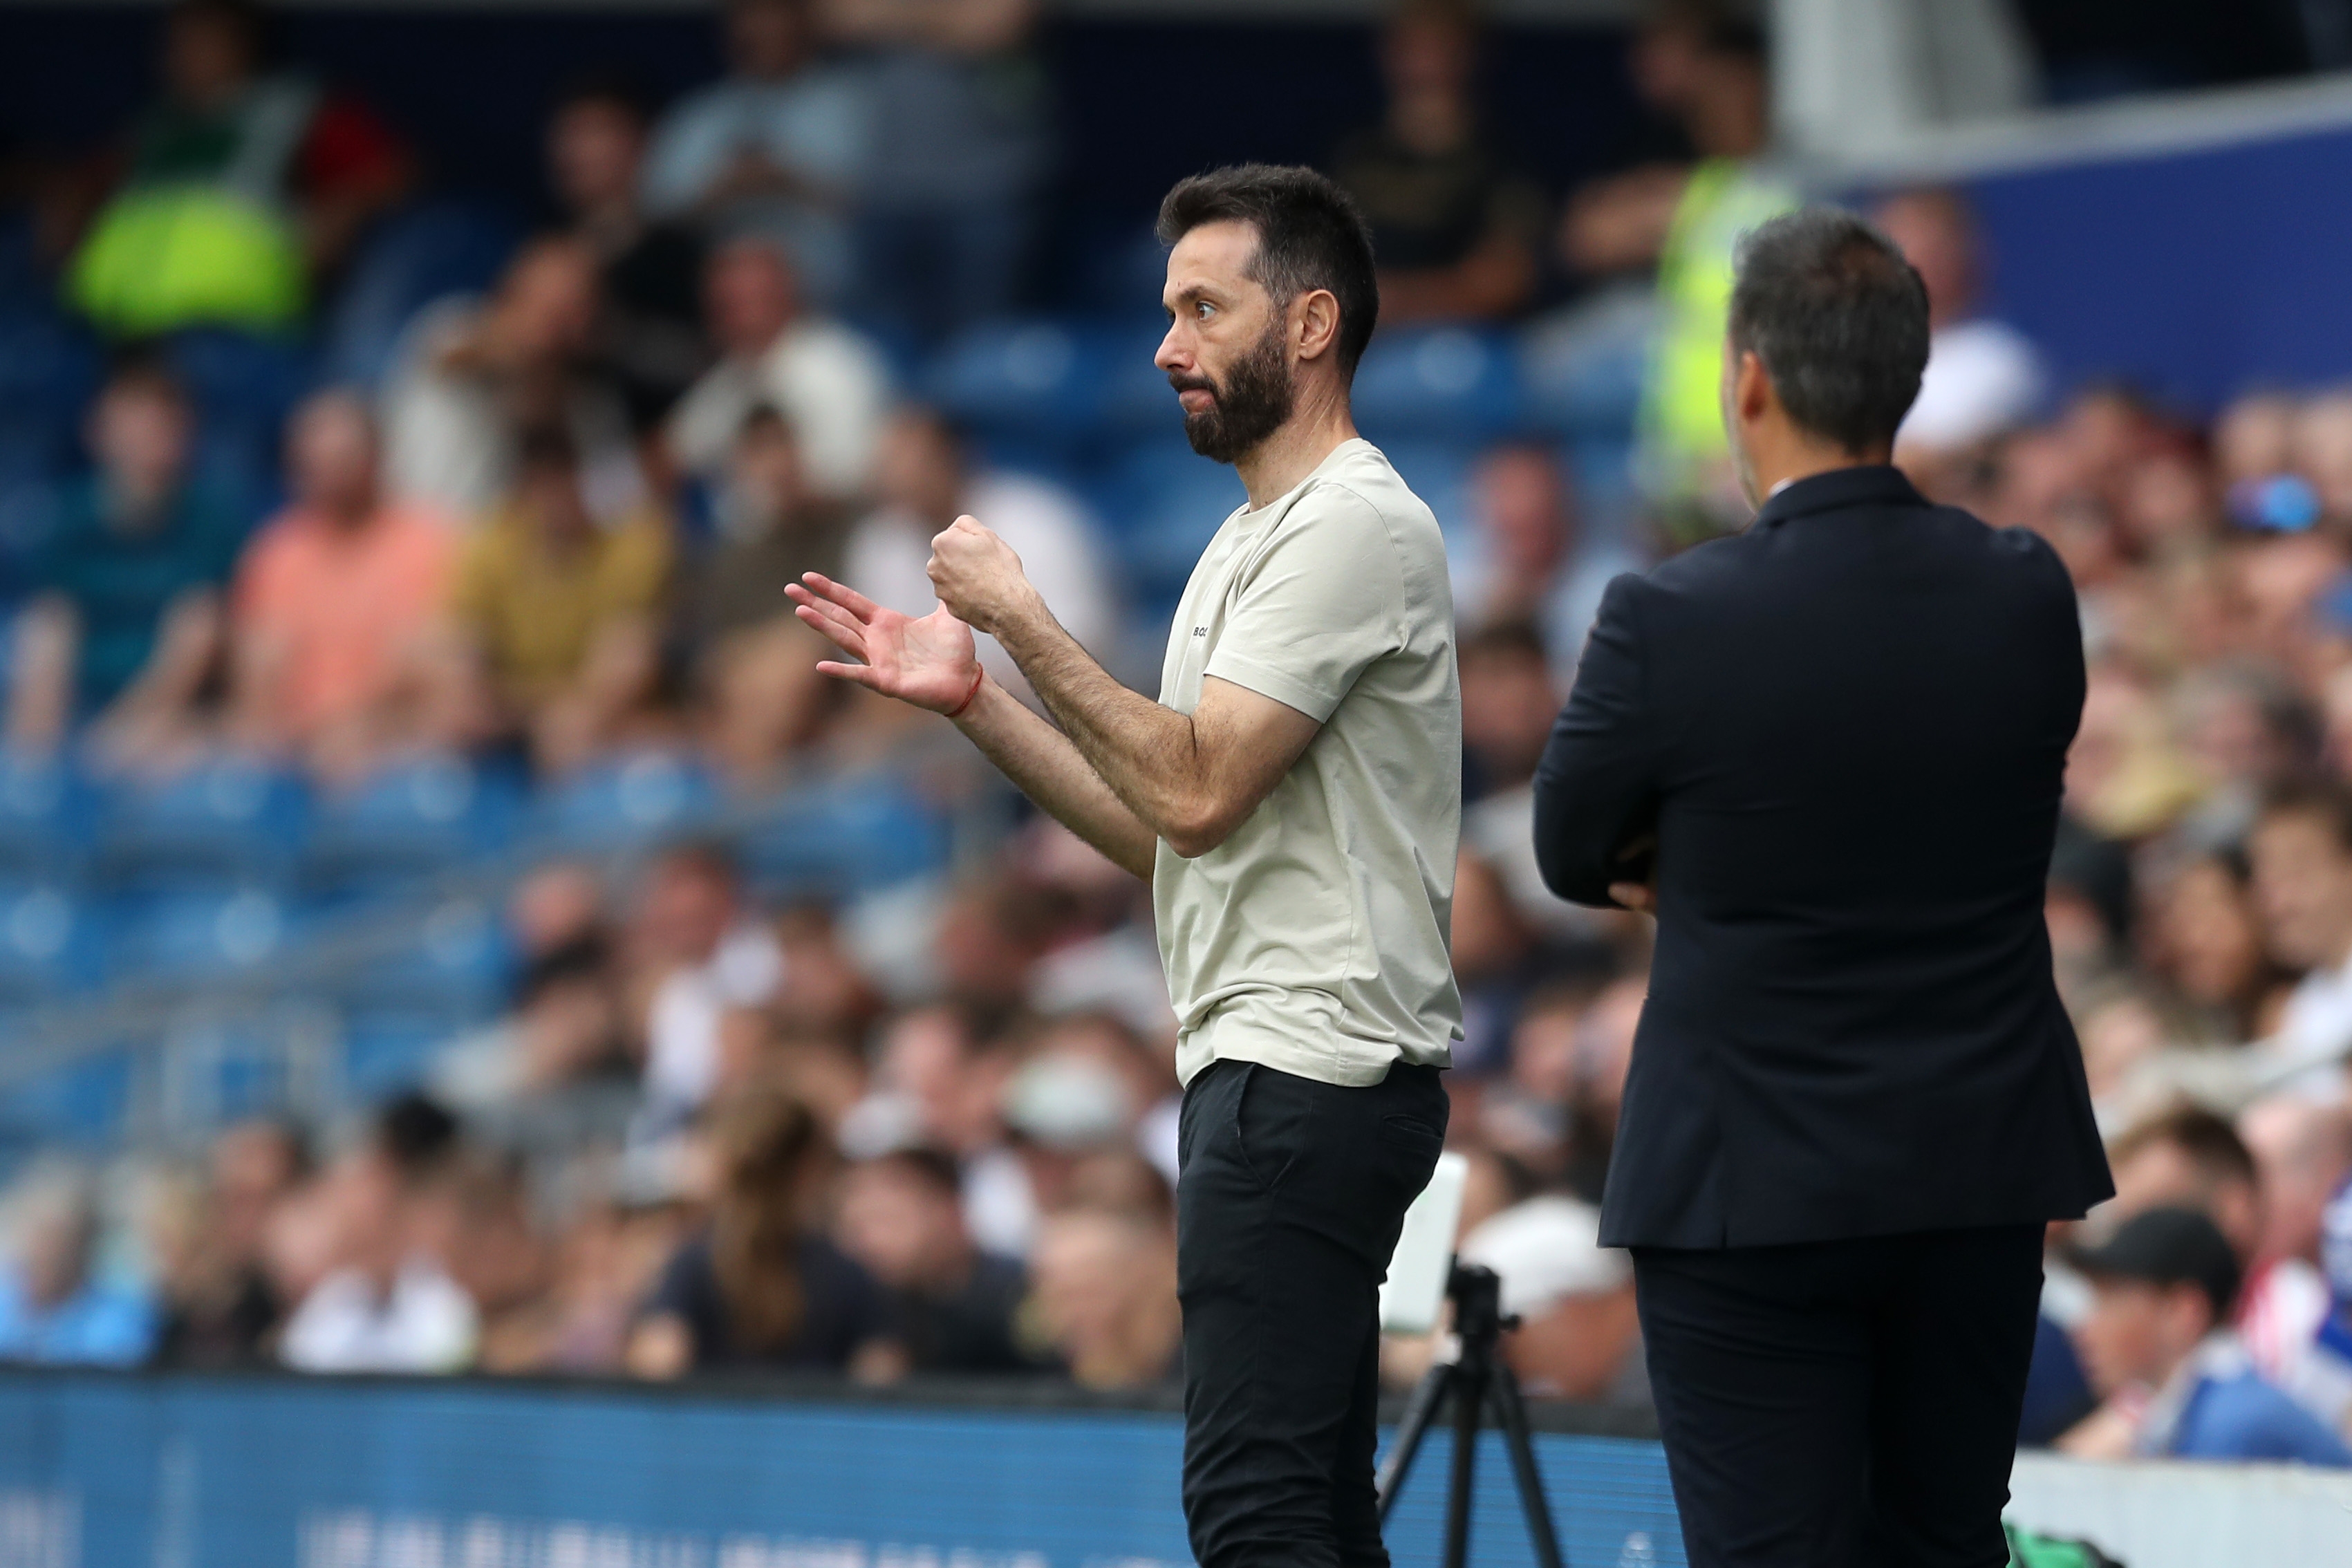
<point x="143" y="370"/>
<point x="604" y="88"/>
<point x="2329" y="802"/>
<point x="1839" y="319"/>
<point x="2206" y="1140"/>
<point x="415" y="1133"/>
<point x="1310" y="234"/>
<point x="931" y="1166"/>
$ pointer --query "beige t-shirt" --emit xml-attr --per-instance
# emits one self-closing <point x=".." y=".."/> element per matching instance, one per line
<point x="1315" y="940"/>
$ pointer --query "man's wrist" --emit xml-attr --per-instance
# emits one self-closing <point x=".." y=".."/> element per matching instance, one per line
<point x="1023" y="618"/>
<point x="970" y="696"/>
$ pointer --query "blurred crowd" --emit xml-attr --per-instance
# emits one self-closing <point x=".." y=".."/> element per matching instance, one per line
<point x="932" y="1131"/>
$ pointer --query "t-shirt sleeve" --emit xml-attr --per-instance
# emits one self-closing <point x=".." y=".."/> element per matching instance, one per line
<point x="1321" y="602"/>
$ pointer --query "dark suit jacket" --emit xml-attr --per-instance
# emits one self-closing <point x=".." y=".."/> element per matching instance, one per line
<point x="1846" y="728"/>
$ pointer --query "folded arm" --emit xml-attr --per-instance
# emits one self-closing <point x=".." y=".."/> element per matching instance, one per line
<point x="1596" y="788"/>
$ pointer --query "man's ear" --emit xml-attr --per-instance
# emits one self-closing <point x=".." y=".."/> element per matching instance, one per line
<point x="1315" y="326"/>
<point x="1751" y="388"/>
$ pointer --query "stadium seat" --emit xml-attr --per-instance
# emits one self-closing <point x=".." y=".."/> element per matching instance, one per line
<point x="1137" y="401"/>
<point x="389" y="1051"/>
<point x="244" y="386"/>
<point x="1437" y="381"/>
<point x="51" y="945"/>
<point x="229" y="819"/>
<point x="1160" y="502"/>
<point x="456" y="963"/>
<point x="48" y="812"/>
<point x="86" y="1104"/>
<point x="408" y="822"/>
<point x="851" y="837"/>
<point x="190" y="934"/>
<point x="628" y="800"/>
<point x="1587" y="383"/>
<point x="1439" y="473"/>
<point x="216" y="1070"/>
<point x="48" y="369"/>
<point x="1037" y="380"/>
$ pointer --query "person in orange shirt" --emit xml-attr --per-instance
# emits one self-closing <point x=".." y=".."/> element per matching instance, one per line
<point x="336" y="604"/>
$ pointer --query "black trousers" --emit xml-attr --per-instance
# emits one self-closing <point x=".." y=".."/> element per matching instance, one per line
<point x="1843" y="1403"/>
<point x="1287" y="1207"/>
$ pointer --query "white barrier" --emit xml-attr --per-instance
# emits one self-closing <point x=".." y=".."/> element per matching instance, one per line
<point x="2152" y="1514"/>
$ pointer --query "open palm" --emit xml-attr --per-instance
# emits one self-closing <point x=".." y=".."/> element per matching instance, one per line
<point x="928" y="661"/>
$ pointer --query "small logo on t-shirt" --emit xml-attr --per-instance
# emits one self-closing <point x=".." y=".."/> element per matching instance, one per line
<point x="1200" y="631"/>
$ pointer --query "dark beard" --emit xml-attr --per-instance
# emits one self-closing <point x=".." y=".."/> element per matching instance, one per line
<point x="1254" y="402"/>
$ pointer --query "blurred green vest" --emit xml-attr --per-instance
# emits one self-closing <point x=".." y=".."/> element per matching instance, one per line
<point x="200" y="233"/>
<point x="1681" y="439"/>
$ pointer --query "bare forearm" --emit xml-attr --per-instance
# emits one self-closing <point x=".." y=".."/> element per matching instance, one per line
<point x="1050" y="770"/>
<point x="1148" y="755"/>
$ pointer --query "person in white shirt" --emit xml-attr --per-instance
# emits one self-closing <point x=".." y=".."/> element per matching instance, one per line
<point x="827" y="380"/>
<point x="2301" y="849"/>
<point x="474" y="375"/>
<point x="926" y="481"/>
<point x="389" y="1304"/>
<point x="1984" y="377"/>
<point x="720" y="957"/>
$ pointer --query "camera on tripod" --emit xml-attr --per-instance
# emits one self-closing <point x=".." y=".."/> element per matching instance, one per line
<point x="1476" y="1384"/>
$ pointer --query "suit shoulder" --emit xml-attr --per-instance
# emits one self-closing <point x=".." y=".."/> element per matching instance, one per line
<point x="1702" y="568"/>
<point x="2019" y="551"/>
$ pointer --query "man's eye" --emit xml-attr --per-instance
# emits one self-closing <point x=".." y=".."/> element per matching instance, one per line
<point x="1203" y="311"/>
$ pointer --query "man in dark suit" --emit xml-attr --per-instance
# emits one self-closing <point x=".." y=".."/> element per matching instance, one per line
<point x="1827" y="753"/>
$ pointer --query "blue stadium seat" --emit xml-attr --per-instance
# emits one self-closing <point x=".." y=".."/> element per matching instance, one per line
<point x="628" y="800"/>
<point x="1159" y="503"/>
<point x="48" y="814"/>
<point x="191" y="933"/>
<point x="232" y="819"/>
<point x="85" y="1105"/>
<point x="244" y="386"/>
<point x="1037" y="380"/>
<point x="1587" y="383"/>
<point x="408" y="822"/>
<point x="51" y="944"/>
<point x="846" y="838"/>
<point x="216" y="1070"/>
<point x="48" y="370"/>
<point x="1439" y="473"/>
<point x="386" y="1053"/>
<point x="457" y="964"/>
<point x="1437" y="381"/>
<point x="1137" y="401"/>
<point x="412" y="259"/>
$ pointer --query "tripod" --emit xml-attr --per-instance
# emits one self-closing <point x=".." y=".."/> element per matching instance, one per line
<point x="1475" y="1380"/>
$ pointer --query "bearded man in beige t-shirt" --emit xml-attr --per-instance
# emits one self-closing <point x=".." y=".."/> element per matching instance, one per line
<point x="1294" y="800"/>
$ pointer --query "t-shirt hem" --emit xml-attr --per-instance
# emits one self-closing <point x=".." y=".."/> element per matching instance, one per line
<point x="1351" y="1069"/>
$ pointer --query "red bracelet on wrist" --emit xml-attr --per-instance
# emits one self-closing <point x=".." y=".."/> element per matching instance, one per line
<point x="978" y="676"/>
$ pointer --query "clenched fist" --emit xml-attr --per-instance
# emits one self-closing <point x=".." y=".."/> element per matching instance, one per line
<point x="978" y="577"/>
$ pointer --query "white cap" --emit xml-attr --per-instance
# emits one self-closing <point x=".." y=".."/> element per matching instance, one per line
<point x="1547" y="1249"/>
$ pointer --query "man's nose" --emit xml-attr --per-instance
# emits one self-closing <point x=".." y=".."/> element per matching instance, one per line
<point x="1174" y="354"/>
